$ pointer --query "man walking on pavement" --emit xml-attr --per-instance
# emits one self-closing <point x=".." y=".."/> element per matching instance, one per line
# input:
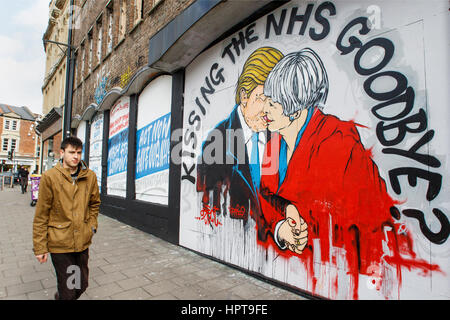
<point x="23" y="175"/>
<point x="66" y="219"/>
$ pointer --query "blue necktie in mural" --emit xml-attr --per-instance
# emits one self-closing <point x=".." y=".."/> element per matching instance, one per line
<point x="254" y="161"/>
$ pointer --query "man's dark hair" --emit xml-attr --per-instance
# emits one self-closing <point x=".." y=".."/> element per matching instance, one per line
<point x="73" y="141"/>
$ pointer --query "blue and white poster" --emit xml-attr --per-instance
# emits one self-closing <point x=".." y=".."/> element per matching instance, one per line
<point x="153" y="147"/>
<point x="118" y="148"/>
<point x="153" y="142"/>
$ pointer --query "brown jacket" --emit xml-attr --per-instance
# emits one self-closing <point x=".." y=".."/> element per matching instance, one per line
<point x="66" y="211"/>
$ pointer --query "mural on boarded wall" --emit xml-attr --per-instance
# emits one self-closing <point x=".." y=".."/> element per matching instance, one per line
<point x="314" y="150"/>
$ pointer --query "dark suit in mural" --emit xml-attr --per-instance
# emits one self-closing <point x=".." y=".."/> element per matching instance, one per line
<point x="231" y="176"/>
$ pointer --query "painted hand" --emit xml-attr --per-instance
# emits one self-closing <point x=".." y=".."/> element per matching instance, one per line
<point x="294" y="230"/>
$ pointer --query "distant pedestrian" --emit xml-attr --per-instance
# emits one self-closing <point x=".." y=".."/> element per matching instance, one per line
<point x="23" y="176"/>
<point x="66" y="219"/>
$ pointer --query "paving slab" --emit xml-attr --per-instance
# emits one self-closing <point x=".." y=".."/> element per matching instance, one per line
<point x="133" y="294"/>
<point x="134" y="282"/>
<point x="24" y="288"/>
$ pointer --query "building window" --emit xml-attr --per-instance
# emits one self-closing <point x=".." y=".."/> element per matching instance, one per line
<point x="5" y="144"/>
<point x="61" y="87"/>
<point x="99" y="39"/>
<point x="50" y="146"/>
<point x="83" y="60"/>
<point x="110" y="26"/>
<point x="10" y="125"/>
<point x="76" y="68"/>
<point x="13" y="144"/>
<point x="76" y="15"/>
<point x="138" y="4"/>
<point x="123" y="20"/>
<point x="91" y="49"/>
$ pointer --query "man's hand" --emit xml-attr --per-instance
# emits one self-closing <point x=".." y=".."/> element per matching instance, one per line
<point x="294" y="230"/>
<point x="42" y="258"/>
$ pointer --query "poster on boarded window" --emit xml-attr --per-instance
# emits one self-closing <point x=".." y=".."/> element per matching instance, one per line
<point x="153" y="142"/>
<point x="118" y="148"/>
<point x="96" y="145"/>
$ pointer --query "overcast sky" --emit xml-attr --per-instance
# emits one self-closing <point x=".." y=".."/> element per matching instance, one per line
<point x="22" y="56"/>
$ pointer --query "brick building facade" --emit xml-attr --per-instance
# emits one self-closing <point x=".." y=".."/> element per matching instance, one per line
<point x="111" y="41"/>
<point x="55" y="67"/>
<point x="54" y="86"/>
<point x="17" y="132"/>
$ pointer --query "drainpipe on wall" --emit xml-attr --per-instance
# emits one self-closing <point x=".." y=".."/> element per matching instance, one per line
<point x="41" y="160"/>
<point x="67" y="116"/>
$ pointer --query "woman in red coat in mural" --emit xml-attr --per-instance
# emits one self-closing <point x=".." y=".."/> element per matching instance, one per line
<point x="320" y="190"/>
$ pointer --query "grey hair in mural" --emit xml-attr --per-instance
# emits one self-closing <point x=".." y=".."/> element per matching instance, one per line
<point x="299" y="81"/>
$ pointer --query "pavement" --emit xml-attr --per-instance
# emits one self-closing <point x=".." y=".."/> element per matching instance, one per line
<point x="125" y="264"/>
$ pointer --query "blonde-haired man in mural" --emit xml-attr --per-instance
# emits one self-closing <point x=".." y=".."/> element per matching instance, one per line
<point x="243" y="135"/>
